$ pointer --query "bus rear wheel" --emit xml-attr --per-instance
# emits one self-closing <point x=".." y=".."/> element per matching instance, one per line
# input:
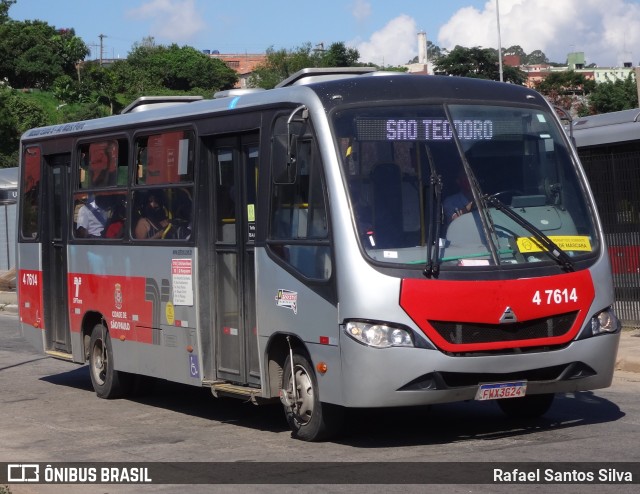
<point x="527" y="407"/>
<point x="308" y="417"/>
<point x="107" y="382"/>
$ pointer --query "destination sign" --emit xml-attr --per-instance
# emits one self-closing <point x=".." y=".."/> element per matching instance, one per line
<point x="423" y="129"/>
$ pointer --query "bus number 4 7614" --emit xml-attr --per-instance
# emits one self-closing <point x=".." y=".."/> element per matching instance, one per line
<point x="30" y="279"/>
<point x="556" y="296"/>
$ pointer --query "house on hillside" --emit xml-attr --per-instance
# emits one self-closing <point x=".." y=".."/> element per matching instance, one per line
<point x="243" y="64"/>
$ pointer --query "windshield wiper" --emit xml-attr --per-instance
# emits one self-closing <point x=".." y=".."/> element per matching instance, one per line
<point x="478" y="198"/>
<point x="548" y="246"/>
<point x="432" y="264"/>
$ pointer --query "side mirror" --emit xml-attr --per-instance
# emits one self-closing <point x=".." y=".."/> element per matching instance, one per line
<point x="285" y="146"/>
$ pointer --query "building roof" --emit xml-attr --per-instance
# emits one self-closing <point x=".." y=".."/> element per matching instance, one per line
<point x="242" y="63"/>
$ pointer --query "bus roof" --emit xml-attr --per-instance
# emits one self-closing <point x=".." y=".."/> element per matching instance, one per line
<point x="327" y="88"/>
<point x="607" y="128"/>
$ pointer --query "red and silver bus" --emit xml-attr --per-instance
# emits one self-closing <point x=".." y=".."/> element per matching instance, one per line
<point x="345" y="240"/>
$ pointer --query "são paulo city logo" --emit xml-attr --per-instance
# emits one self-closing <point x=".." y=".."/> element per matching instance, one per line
<point x="117" y="296"/>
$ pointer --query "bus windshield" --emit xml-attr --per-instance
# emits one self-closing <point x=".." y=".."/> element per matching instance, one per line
<point x="481" y="185"/>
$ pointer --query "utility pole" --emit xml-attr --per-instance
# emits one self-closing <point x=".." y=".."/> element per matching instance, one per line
<point x="101" y="36"/>
<point x="499" y="41"/>
<point x="319" y="48"/>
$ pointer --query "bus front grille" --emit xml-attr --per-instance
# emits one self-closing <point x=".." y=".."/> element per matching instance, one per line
<point x="458" y="333"/>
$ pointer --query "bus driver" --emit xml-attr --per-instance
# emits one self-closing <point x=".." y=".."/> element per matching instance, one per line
<point x="459" y="203"/>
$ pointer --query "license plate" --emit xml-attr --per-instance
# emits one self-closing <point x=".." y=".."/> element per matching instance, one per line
<point x="496" y="391"/>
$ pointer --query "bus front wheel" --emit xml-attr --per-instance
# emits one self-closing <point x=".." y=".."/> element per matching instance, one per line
<point x="308" y="417"/>
<point x="107" y="382"/>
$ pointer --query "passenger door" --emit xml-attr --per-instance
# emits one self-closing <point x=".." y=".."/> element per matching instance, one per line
<point x="54" y="252"/>
<point x="236" y="176"/>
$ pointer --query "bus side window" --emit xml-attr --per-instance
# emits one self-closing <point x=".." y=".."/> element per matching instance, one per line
<point x="162" y="214"/>
<point x="299" y="223"/>
<point x="30" y="192"/>
<point x="225" y="196"/>
<point x="165" y="158"/>
<point x="163" y="186"/>
<point x="100" y="196"/>
<point x="103" y="164"/>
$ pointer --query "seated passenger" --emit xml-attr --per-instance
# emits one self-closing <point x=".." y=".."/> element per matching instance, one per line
<point x="154" y="222"/>
<point x="115" y="224"/>
<point x="91" y="219"/>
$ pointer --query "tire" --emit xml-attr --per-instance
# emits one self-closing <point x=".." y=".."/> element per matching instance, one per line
<point x="107" y="382"/>
<point x="527" y="407"/>
<point x="308" y="417"/>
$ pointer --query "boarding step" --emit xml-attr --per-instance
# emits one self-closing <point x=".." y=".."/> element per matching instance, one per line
<point x="224" y="388"/>
<point x="59" y="355"/>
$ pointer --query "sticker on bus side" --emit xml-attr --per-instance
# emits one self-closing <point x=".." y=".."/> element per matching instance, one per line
<point x="287" y="299"/>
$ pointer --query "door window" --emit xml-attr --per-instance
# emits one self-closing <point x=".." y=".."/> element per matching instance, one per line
<point x="299" y="229"/>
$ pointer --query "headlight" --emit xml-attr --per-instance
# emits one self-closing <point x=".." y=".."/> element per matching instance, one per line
<point x="605" y="322"/>
<point x="378" y="335"/>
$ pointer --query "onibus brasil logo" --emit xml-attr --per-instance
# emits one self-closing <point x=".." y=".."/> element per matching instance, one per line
<point x="287" y="299"/>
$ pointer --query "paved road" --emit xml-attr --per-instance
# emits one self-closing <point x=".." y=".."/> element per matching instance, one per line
<point x="49" y="413"/>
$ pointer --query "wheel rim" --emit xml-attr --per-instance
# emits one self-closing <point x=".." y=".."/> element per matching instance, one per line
<point x="99" y="362"/>
<point x="303" y="406"/>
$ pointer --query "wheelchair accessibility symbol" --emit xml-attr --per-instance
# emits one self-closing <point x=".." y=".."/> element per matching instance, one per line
<point x="194" y="368"/>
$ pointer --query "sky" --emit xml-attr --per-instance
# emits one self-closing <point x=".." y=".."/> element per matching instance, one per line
<point x="383" y="31"/>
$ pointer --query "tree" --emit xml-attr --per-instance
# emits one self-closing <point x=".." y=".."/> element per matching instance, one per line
<point x="5" y="5"/>
<point x="566" y="82"/>
<point x="567" y="89"/>
<point x="72" y="50"/>
<point x="536" y="57"/>
<point x="280" y="64"/>
<point x="515" y="50"/>
<point x="433" y="51"/>
<point x="66" y="89"/>
<point x="338" y="55"/>
<point x="33" y="53"/>
<point x="481" y="63"/>
<point x="614" y="96"/>
<point x="8" y="146"/>
<point x="150" y="68"/>
<point x="99" y="86"/>
<point x="17" y="115"/>
<point x="469" y="62"/>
